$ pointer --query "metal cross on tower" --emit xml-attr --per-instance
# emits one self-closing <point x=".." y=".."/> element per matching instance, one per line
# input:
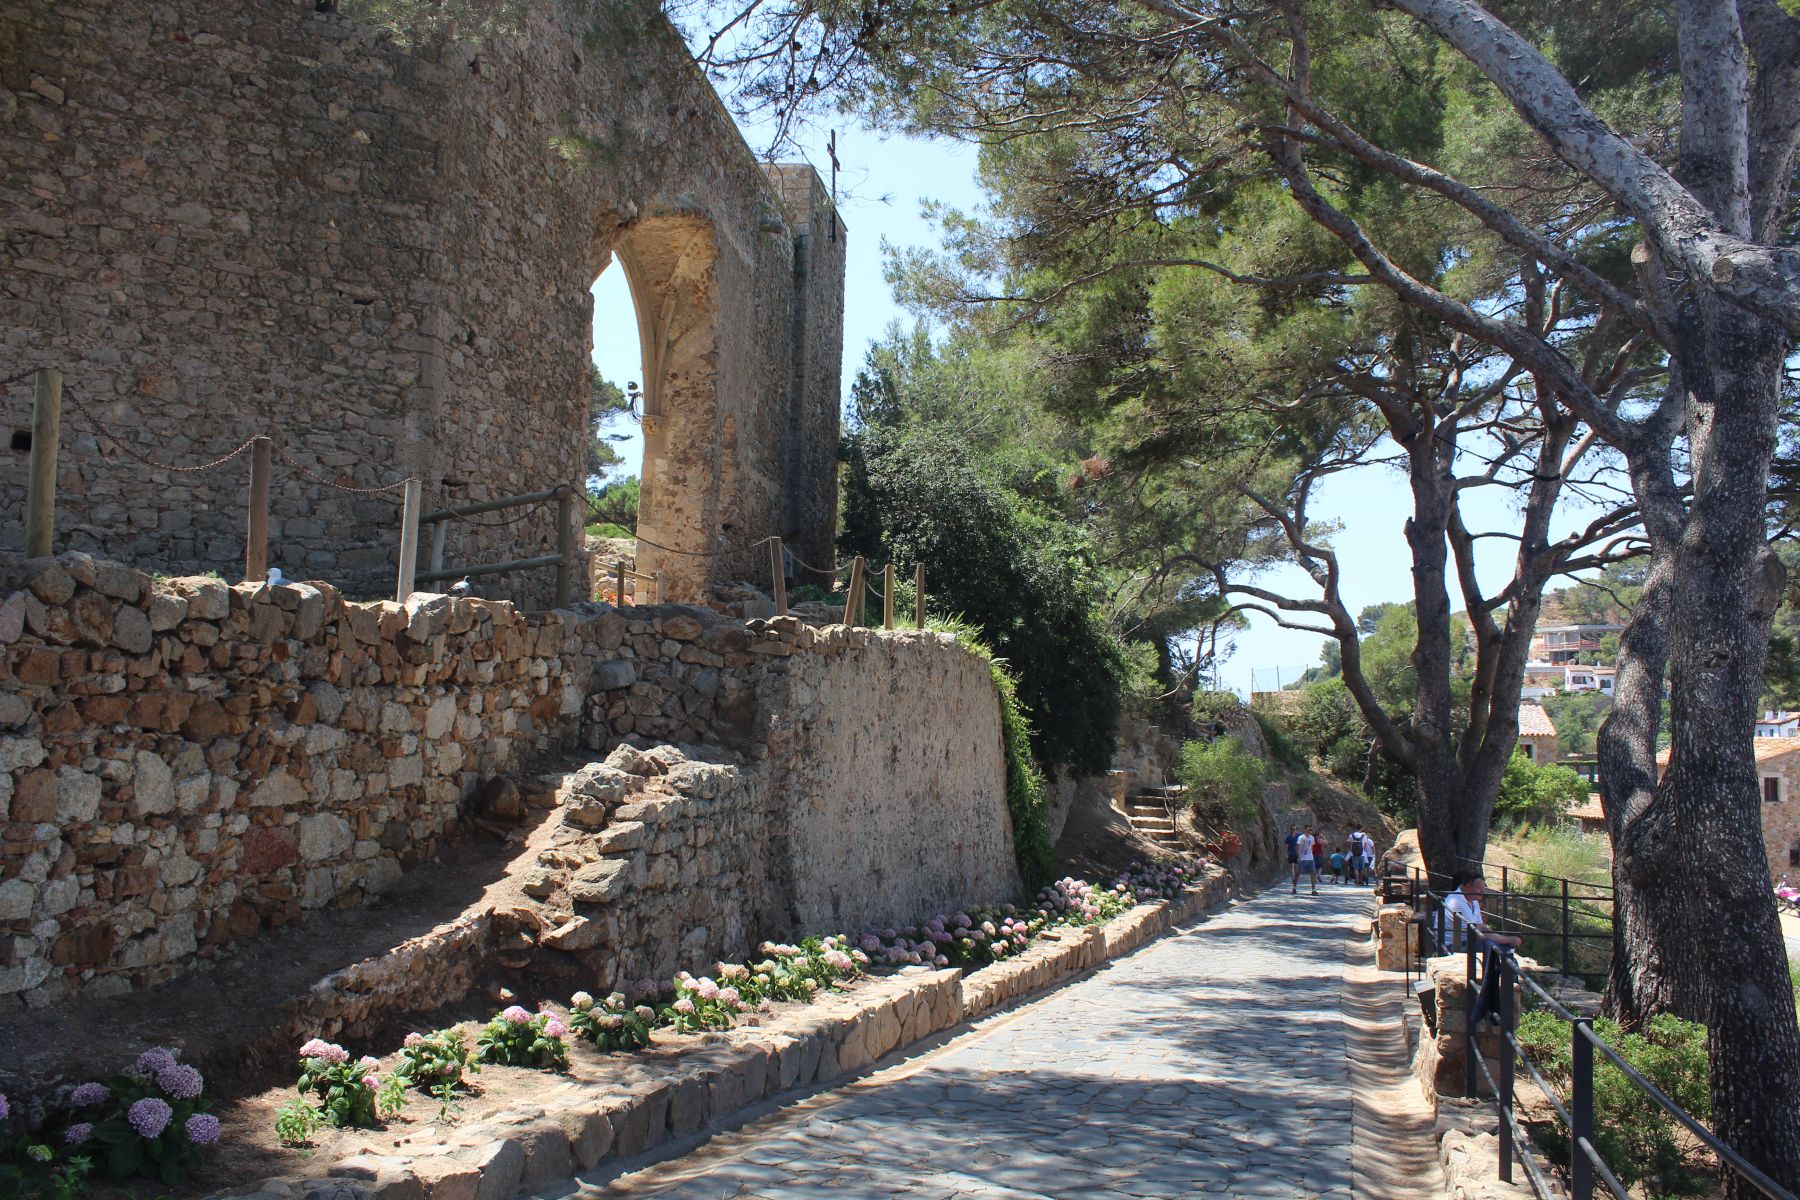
<point x="831" y="149"/>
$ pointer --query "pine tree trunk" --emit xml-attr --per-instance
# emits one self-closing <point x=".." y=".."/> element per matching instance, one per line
<point x="1648" y="972"/>
<point x="1727" y="583"/>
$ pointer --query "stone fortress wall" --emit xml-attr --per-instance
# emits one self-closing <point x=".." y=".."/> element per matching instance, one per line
<point x="185" y="764"/>
<point x="253" y="217"/>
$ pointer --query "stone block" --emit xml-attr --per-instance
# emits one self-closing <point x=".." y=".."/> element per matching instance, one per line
<point x="445" y="1177"/>
<point x="547" y="1157"/>
<point x="589" y="1134"/>
<point x="624" y="836"/>
<point x="501" y="1162"/>
<point x="78" y="796"/>
<point x="616" y="674"/>
<point x="152" y="785"/>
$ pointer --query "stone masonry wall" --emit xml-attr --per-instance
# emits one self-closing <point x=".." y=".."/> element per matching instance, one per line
<point x="220" y="220"/>
<point x="186" y="763"/>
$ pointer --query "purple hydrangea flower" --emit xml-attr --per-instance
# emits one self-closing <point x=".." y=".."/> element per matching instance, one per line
<point x="89" y="1094"/>
<point x="77" y="1134"/>
<point x="150" y="1116"/>
<point x="203" y="1129"/>
<point x="4" y="1108"/>
<point x="180" y="1081"/>
<point x="153" y="1060"/>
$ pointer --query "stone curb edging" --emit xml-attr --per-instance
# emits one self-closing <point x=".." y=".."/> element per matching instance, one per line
<point x="573" y="1128"/>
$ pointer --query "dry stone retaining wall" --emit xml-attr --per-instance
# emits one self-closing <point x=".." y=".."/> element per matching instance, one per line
<point x="186" y="763"/>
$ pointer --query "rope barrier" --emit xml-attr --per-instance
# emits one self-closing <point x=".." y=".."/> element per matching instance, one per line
<point x="330" y="483"/>
<point x="100" y="428"/>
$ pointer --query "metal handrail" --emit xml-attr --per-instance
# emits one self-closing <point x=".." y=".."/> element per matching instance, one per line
<point x="1585" y="1161"/>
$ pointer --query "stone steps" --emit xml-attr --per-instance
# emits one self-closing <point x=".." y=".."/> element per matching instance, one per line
<point x="1149" y="811"/>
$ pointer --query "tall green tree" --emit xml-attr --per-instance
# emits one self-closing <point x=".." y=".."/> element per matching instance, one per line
<point x="1686" y="172"/>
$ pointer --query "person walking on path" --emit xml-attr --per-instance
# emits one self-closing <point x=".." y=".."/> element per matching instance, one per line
<point x="1305" y="864"/>
<point x="1293" y="853"/>
<point x="1367" y="859"/>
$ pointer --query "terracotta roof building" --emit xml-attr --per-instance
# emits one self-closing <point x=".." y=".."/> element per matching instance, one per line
<point x="1537" y="733"/>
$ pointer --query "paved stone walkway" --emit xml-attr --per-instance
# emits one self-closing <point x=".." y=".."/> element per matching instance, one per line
<point x="1210" y="1062"/>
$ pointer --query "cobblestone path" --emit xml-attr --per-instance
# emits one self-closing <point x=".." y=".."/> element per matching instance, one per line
<point x="1211" y="1062"/>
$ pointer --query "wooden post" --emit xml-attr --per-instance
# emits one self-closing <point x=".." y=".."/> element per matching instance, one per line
<point x="40" y="494"/>
<point x="565" y="547"/>
<point x="919" y="595"/>
<point x="256" y="536"/>
<point x="620" y="598"/>
<point x="887" y="596"/>
<point x="409" y="540"/>
<point x="778" y="576"/>
<point x="659" y="587"/>
<point x="853" y="597"/>
<point x="440" y="530"/>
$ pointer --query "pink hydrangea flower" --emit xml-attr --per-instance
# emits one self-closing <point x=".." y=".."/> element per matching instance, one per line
<point x="684" y="1006"/>
<point x="368" y="1060"/>
<point x="329" y="1051"/>
<point x="554" y="1028"/>
<point x="413" y="1039"/>
<point x="371" y="1082"/>
<point x="707" y="989"/>
<point x="516" y="1016"/>
<point x="731" y="996"/>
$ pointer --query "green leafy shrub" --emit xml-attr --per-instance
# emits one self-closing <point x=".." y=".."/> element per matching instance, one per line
<point x="1222" y="773"/>
<point x="428" y="1061"/>
<point x="296" y="1122"/>
<point x="519" y="1038"/>
<point x="347" y="1091"/>
<point x="611" y="1024"/>
<point x="1534" y="795"/>
<point x="1631" y="1131"/>
<point x="1004" y="564"/>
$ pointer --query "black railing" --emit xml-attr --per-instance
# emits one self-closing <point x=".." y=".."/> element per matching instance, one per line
<point x="1586" y="1166"/>
<point x="1566" y="922"/>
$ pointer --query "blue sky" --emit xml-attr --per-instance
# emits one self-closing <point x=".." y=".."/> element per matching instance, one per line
<point x="882" y="185"/>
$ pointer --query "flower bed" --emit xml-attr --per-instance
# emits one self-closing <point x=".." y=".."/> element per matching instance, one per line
<point x="649" y="1065"/>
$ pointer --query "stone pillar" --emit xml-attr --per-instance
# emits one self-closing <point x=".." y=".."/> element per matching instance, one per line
<point x="1393" y="936"/>
<point x="1442" y="1049"/>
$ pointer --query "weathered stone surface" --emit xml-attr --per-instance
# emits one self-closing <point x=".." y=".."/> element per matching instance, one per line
<point x="611" y="676"/>
<point x="153" y="786"/>
<point x="601" y="883"/>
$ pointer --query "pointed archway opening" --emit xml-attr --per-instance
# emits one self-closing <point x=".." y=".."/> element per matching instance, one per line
<point x="615" y="453"/>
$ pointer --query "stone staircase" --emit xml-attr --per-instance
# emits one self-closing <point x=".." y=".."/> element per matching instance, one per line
<point x="1148" y="811"/>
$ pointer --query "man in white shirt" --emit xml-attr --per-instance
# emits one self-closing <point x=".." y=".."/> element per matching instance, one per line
<point x="1368" y="859"/>
<point x="1307" y="846"/>
<point x="1465" y="903"/>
